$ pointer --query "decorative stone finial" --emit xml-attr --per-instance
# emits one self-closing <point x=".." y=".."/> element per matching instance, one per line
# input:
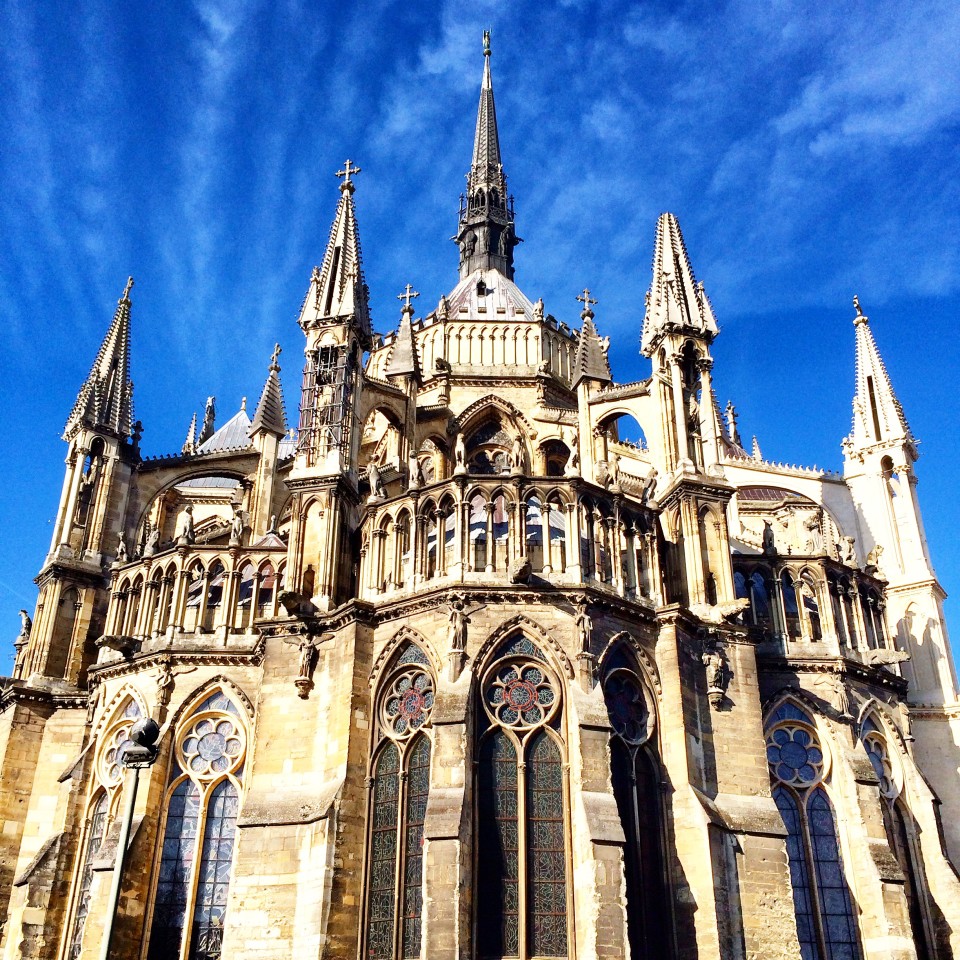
<point x="587" y="302"/>
<point x="408" y="295"/>
<point x="860" y="317"/>
<point x="126" y="290"/>
<point x="486" y="43"/>
<point x="274" y="358"/>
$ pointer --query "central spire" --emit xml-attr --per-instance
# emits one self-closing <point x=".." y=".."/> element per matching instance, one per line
<point x="486" y="234"/>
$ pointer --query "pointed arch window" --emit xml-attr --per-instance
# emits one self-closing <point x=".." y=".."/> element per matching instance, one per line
<point x="826" y="923"/>
<point x="635" y="775"/>
<point x="398" y="806"/>
<point x="200" y="824"/>
<point x="522" y="860"/>
<point x="95" y="834"/>
<point x="901" y="832"/>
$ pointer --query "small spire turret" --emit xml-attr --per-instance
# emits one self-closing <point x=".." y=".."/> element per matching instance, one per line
<point x="486" y="234"/>
<point x="105" y="401"/>
<point x="404" y="361"/>
<point x="271" y="414"/>
<point x="590" y="362"/>
<point x="190" y="444"/>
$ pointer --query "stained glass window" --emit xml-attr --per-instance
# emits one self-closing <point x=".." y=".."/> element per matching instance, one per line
<point x="383" y="854"/>
<point x="522" y="911"/>
<point x="826" y="924"/>
<point x="176" y="866"/>
<point x="498" y="849"/>
<point x="201" y="823"/>
<point x="401" y="789"/>
<point x="546" y="857"/>
<point x="98" y="823"/>
<point x="213" y="882"/>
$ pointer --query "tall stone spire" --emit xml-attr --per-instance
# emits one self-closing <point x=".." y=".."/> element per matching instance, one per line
<point x="105" y="401"/>
<point x="878" y="416"/>
<point x="337" y="290"/>
<point x="675" y="301"/>
<point x="486" y="234"/>
<point x="271" y="415"/>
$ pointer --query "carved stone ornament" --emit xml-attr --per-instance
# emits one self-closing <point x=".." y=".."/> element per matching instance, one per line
<point x="714" y="659"/>
<point x="306" y="645"/>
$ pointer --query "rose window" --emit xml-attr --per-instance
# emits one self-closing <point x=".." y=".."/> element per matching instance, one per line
<point x="794" y="755"/>
<point x="111" y="763"/>
<point x="520" y="694"/>
<point x="408" y="702"/>
<point x="626" y="707"/>
<point x="213" y="745"/>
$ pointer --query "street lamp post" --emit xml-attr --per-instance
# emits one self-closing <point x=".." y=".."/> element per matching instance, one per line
<point x="136" y="758"/>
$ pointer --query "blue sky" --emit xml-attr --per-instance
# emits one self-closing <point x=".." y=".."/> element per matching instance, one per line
<point x="810" y="151"/>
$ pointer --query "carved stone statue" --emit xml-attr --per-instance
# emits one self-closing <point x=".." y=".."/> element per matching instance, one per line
<point x="813" y="526"/>
<point x="846" y="551"/>
<point x="718" y="677"/>
<point x="186" y="534"/>
<point x="584" y="626"/>
<point x="165" y="682"/>
<point x="520" y="570"/>
<point x="458" y="625"/>
<point x="613" y="469"/>
<point x="26" y="625"/>
<point x="376" y="483"/>
<point x="470" y="244"/>
<point x="769" y="540"/>
<point x="460" y="455"/>
<point x="516" y="455"/>
<point x="573" y="461"/>
<point x="121" y="549"/>
<point x="538" y="309"/>
<point x="415" y="472"/>
<point x="153" y="542"/>
<point x="236" y="526"/>
<point x="873" y="557"/>
<point x="649" y="486"/>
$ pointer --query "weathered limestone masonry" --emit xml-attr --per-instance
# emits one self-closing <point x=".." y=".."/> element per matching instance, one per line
<point x="490" y="657"/>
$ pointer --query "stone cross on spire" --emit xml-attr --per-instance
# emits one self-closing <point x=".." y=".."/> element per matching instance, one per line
<point x="408" y="295"/>
<point x="127" y="289"/>
<point x="587" y="302"/>
<point x="275" y="356"/>
<point x="350" y="169"/>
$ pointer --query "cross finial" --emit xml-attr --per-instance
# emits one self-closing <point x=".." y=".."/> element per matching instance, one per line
<point x="587" y="302"/>
<point x="861" y="316"/>
<point x="486" y="43"/>
<point x="350" y="169"/>
<point x="275" y="356"/>
<point x="127" y="289"/>
<point x="408" y="295"/>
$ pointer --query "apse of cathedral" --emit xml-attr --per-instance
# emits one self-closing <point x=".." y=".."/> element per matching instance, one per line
<point x="488" y="655"/>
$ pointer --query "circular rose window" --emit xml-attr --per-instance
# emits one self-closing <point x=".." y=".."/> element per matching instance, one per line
<point x="408" y="702"/>
<point x="519" y="694"/>
<point x="213" y="745"/>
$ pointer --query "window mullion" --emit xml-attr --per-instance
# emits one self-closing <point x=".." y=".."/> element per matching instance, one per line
<point x="191" y="904"/>
<point x="812" y="886"/>
<point x="400" y="859"/>
<point x="522" y="851"/>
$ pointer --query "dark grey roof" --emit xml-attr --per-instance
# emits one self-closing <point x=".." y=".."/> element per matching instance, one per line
<point x="233" y="435"/>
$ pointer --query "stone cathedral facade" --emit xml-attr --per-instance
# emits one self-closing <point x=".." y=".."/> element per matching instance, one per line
<point x="467" y="664"/>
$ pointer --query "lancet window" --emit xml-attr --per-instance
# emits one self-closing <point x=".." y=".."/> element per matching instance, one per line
<point x="200" y="824"/>
<point x="522" y="860"/>
<point x="398" y="803"/>
<point x="901" y="831"/>
<point x="634" y="769"/>
<point x="799" y="769"/>
<point x="113" y="743"/>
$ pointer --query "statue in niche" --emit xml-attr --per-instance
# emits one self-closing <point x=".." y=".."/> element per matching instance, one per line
<point x="768" y="540"/>
<point x="573" y="461"/>
<point x="613" y="470"/>
<point x="813" y="526"/>
<point x="165" y="682"/>
<point x="121" y="549"/>
<point x="718" y="676"/>
<point x="186" y="534"/>
<point x="470" y="244"/>
<point x="460" y="454"/>
<point x="375" y="481"/>
<point x="415" y="472"/>
<point x="583" y="625"/>
<point x="516" y="455"/>
<point x="236" y="526"/>
<point x="457" y="633"/>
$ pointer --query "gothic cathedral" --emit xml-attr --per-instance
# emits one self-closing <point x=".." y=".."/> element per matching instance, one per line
<point x="490" y="656"/>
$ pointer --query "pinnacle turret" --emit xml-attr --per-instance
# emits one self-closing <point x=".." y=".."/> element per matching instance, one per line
<point x="486" y="234"/>
<point x="675" y="301"/>
<point x="878" y="416"/>
<point x="337" y="290"/>
<point x="271" y="414"/>
<point x="404" y="361"/>
<point x="105" y="401"/>
<point x="590" y="362"/>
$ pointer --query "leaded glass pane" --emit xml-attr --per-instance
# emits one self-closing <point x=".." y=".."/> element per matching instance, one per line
<point x="789" y="711"/>
<point x="626" y="706"/>
<point x="418" y="790"/>
<point x="498" y="928"/>
<point x="98" y="823"/>
<point x="383" y="855"/>
<point x="799" y="874"/>
<point x="218" y="701"/>
<point x="546" y="854"/>
<point x="836" y="911"/>
<point x="413" y="654"/>
<point x="176" y="862"/>
<point x="213" y="881"/>
<point x="520" y="645"/>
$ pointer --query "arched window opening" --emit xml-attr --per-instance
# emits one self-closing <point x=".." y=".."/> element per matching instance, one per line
<point x="95" y="833"/>
<point x="901" y="836"/>
<point x="826" y="924"/>
<point x="500" y="532"/>
<point x="216" y="579"/>
<point x="557" y="527"/>
<point x="791" y="609"/>
<point x="807" y="589"/>
<point x="555" y="456"/>
<point x="478" y="532"/>
<point x="521" y="855"/>
<point x="401" y="788"/>
<point x="535" y="534"/>
<point x="403" y="558"/>
<point x="488" y="449"/>
<point x="705" y="521"/>
<point x="192" y="885"/>
<point x="635" y="779"/>
<point x="61" y="638"/>
<point x="267" y="589"/>
<point x="449" y="513"/>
